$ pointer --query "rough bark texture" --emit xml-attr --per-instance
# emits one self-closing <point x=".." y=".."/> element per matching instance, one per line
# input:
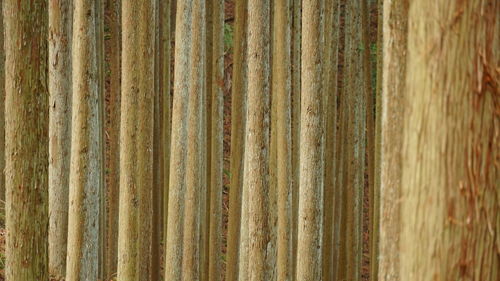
<point x="113" y="50"/>
<point x="216" y="165"/>
<point x="191" y="263"/>
<point x="27" y="139"/>
<point x="136" y="138"/>
<point x="311" y="146"/>
<point x="165" y="57"/>
<point x="85" y="167"/>
<point x="256" y="171"/>
<point x="282" y="97"/>
<point x="330" y="91"/>
<point x="296" y="42"/>
<point x="238" y="121"/>
<point x="449" y="184"/>
<point x="354" y="134"/>
<point x="394" y="50"/>
<point x="173" y="247"/>
<point x="60" y="28"/>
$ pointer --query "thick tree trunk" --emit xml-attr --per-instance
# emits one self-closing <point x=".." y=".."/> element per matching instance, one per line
<point x="60" y="93"/>
<point x="449" y="183"/>
<point x="281" y="88"/>
<point x="113" y="46"/>
<point x="173" y="247"/>
<point x="238" y="121"/>
<point x="27" y="139"/>
<point x="256" y="179"/>
<point x="191" y="263"/>
<point x="216" y="165"/>
<point x="85" y="167"/>
<point x="311" y="146"/>
<point x="136" y="159"/>
<point x="2" y="114"/>
<point x="391" y="110"/>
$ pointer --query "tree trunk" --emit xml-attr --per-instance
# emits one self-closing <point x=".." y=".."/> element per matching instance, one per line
<point x="136" y="159"/>
<point x="113" y="45"/>
<point x="216" y="165"/>
<point x="296" y="42"/>
<point x="330" y="92"/>
<point x="60" y="92"/>
<point x="281" y="88"/>
<point x="311" y="146"/>
<point x="449" y="183"/>
<point x="238" y="123"/>
<point x="27" y="139"/>
<point x="173" y="247"/>
<point x="2" y="115"/>
<point x="85" y="167"/>
<point x="394" y="50"/>
<point x="191" y="263"/>
<point x="256" y="179"/>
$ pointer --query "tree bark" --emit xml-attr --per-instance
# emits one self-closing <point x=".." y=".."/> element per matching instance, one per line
<point x="60" y="36"/>
<point x="113" y="46"/>
<point x="173" y="247"/>
<point x="27" y="139"/>
<point x="238" y="122"/>
<point x="2" y="114"/>
<point x="449" y="183"/>
<point x="281" y="88"/>
<point x="191" y="263"/>
<point x="136" y="159"/>
<point x="395" y="24"/>
<point x="256" y="179"/>
<point x="85" y="167"/>
<point x="311" y="146"/>
<point x="217" y="127"/>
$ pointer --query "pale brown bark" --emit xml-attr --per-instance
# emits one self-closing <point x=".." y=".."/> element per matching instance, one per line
<point x="60" y="28"/>
<point x="311" y="146"/>
<point x="282" y="98"/>
<point x="136" y="159"/>
<point x="173" y="247"/>
<point x="238" y="123"/>
<point x="256" y="173"/>
<point x="391" y="108"/>
<point x="216" y="165"/>
<point x="27" y="139"/>
<point x="85" y="167"/>
<point x="449" y="184"/>
<point x="191" y="263"/>
<point x="2" y="114"/>
<point x="112" y="114"/>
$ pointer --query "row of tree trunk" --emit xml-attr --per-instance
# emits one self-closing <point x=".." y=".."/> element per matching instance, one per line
<point x="352" y="156"/>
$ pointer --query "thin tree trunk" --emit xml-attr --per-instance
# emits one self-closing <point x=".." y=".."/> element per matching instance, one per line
<point x="165" y="58"/>
<point x="311" y="146"/>
<point x="27" y="139"/>
<point x="173" y="247"/>
<point x="330" y="92"/>
<point x="113" y="51"/>
<point x="281" y="88"/>
<point x="85" y="167"/>
<point x="191" y="263"/>
<point x="217" y="123"/>
<point x="395" y="24"/>
<point x="136" y="158"/>
<point x="238" y="123"/>
<point x="449" y="182"/>
<point x="256" y="179"/>
<point x="296" y="41"/>
<point x="2" y="114"/>
<point x="60" y="35"/>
